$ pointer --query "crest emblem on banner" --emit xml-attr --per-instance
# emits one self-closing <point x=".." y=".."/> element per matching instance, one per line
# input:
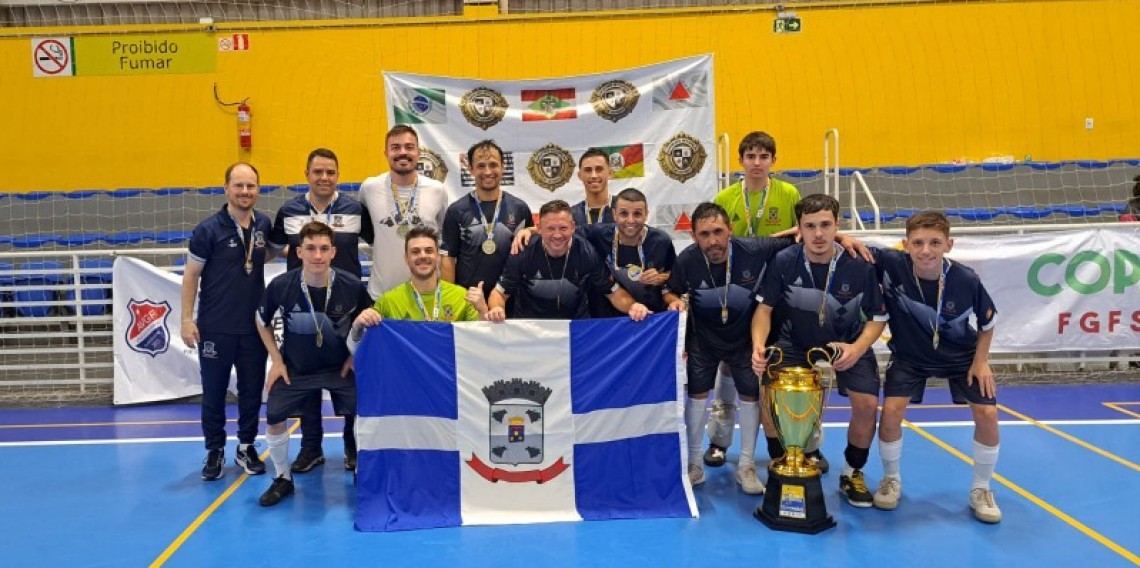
<point x="516" y="420"/>
<point x="614" y="100"/>
<point x="148" y="331"/>
<point x="431" y="165"/>
<point x="682" y="157"/>
<point x="483" y="107"/>
<point x="551" y="167"/>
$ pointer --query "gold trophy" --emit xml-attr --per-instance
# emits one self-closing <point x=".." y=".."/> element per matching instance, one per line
<point x="793" y="500"/>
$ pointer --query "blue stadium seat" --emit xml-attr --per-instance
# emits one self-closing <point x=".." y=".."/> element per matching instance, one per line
<point x="972" y="213"/>
<point x="899" y="170"/>
<point x="1024" y="212"/>
<point x="348" y="187"/>
<point x="799" y="174"/>
<point x="1046" y="166"/>
<point x="130" y="237"/>
<point x="30" y="288"/>
<point x="1113" y="208"/>
<point x="1075" y="210"/>
<point x="213" y="190"/>
<point x="171" y="237"/>
<point x="34" y="195"/>
<point x="179" y="265"/>
<point x="299" y="188"/>
<point x="34" y="241"/>
<point x="906" y="213"/>
<point x="97" y="272"/>
<point x="165" y="191"/>
<point x="947" y="168"/>
<point x="81" y="239"/>
<point x="82" y="194"/>
<point x="126" y="192"/>
<point x="271" y="188"/>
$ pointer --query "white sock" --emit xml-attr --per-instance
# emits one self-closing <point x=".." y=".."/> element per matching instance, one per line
<point x="695" y="417"/>
<point x="891" y="454"/>
<point x="279" y="453"/>
<point x="847" y="469"/>
<point x="749" y="429"/>
<point x="722" y="426"/>
<point x="985" y="458"/>
<point x="243" y="447"/>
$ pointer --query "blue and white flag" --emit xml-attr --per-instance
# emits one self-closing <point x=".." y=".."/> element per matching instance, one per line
<point x="520" y="422"/>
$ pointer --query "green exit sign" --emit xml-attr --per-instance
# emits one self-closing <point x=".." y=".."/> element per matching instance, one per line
<point x="787" y="25"/>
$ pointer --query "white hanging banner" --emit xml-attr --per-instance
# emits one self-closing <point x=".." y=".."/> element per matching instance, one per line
<point x="656" y="123"/>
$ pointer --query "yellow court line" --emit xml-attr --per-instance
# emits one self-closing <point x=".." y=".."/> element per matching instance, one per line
<point x="174" y="546"/>
<point x="1116" y="406"/>
<point x="1071" y="438"/>
<point x="1089" y="532"/>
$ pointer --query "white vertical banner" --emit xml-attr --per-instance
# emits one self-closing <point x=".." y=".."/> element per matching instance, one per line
<point x="656" y="123"/>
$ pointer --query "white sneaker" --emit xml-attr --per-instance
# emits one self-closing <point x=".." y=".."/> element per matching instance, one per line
<point x="887" y="497"/>
<point x="749" y="482"/>
<point x="984" y="506"/>
<point x="696" y="474"/>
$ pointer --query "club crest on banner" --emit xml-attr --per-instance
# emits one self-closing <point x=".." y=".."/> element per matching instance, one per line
<point x="551" y="167"/>
<point x="148" y="331"/>
<point x="431" y="165"/>
<point x="516" y="423"/>
<point x="682" y="157"/>
<point x="614" y="100"/>
<point x="483" y="107"/>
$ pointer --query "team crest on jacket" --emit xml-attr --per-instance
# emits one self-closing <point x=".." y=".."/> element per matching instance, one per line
<point x="551" y="167"/>
<point x="483" y="107"/>
<point x="682" y="157"/>
<point x="516" y="424"/>
<point x="614" y="100"/>
<point x="431" y="165"/>
<point x="147" y="331"/>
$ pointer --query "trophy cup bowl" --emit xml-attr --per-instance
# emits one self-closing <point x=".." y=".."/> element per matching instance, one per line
<point x="793" y="500"/>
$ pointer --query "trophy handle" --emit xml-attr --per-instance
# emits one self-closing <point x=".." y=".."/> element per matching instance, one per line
<point x="773" y="349"/>
<point x="830" y="354"/>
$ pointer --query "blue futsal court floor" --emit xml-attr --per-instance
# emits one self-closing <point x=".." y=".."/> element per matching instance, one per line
<point x="121" y="487"/>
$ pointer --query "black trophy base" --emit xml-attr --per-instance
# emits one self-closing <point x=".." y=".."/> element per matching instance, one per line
<point x="794" y="504"/>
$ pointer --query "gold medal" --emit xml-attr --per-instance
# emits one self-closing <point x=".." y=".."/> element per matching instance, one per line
<point x="724" y="314"/>
<point x="320" y="338"/>
<point x="402" y="230"/>
<point x="489" y="247"/>
<point x="634" y="272"/>
<point x="249" y="267"/>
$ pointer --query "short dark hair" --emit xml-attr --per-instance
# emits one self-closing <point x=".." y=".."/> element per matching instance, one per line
<point x="815" y="203"/>
<point x="554" y="206"/>
<point x="482" y="145"/>
<point x="398" y="130"/>
<point x="230" y="170"/>
<point x="593" y="153"/>
<point x="928" y="220"/>
<point x="757" y="140"/>
<point x="421" y="231"/>
<point x="632" y="194"/>
<point x="708" y="210"/>
<point x="321" y="153"/>
<point x="317" y="229"/>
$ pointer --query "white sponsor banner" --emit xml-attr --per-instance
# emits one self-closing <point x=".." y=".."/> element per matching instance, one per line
<point x="656" y="124"/>
<point x="152" y="363"/>
<point x="1063" y="291"/>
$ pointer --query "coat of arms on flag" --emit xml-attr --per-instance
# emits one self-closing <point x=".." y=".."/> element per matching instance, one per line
<point x="520" y="422"/>
<point x="548" y="104"/>
<point x="147" y="331"/>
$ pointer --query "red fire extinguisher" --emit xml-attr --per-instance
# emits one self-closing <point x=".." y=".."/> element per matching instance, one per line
<point x="244" y="126"/>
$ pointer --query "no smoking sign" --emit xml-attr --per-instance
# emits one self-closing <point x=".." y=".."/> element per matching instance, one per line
<point x="53" y="57"/>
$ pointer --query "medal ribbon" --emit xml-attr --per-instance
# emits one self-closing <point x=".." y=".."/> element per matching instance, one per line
<point x="727" y="281"/>
<point x="313" y="308"/>
<point x="404" y="210"/>
<point x="601" y="214"/>
<point x="640" y="249"/>
<point x="241" y="236"/>
<point x="420" y="301"/>
<point x="827" y="282"/>
<point x="748" y="211"/>
<point x="938" y="302"/>
<point x="489" y="225"/>
<point x="328" y="210"/>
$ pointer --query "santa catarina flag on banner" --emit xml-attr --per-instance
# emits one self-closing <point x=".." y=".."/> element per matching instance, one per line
<point x="626" y="161"/>
<point x="520" y="422"/>
<point x="548" y="104"/>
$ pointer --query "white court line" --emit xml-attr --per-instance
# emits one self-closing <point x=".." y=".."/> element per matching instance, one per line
<point x="947" y="424"/>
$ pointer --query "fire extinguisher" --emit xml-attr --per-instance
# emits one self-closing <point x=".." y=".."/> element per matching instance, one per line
<point x="244" y="126"/>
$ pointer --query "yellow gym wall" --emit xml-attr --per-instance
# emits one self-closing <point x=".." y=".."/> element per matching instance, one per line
<point x="904" y="84"/>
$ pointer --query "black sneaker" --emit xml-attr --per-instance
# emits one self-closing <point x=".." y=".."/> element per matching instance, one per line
<point x="714" y="456"/>
<point x="820" y="461"/>
<point x="215" y="459"/>
<point x="248" y="461"/>
<point x="855" y="489"/>
<point x="280" y="489"/>
<point x="307" y="459"/>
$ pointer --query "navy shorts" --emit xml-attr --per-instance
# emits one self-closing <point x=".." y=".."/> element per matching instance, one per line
<point x="287" y="400"/>
<point x="862" y="377"/>
<point x="906" y="379"/>
<point x="703" y="361"/>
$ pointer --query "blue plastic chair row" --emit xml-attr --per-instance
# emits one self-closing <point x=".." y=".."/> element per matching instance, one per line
<point x="30" y="293"/>
<point x="985" y="214"/>
<point x="82" y="239"/>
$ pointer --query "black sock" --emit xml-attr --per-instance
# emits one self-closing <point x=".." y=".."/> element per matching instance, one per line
<point x="856" y="457"/>
<point x="775" y="448"/>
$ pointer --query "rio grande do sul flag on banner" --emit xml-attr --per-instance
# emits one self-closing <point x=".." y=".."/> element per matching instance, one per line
<point x="522" y="422"/>
<point x="656" y="123"/>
